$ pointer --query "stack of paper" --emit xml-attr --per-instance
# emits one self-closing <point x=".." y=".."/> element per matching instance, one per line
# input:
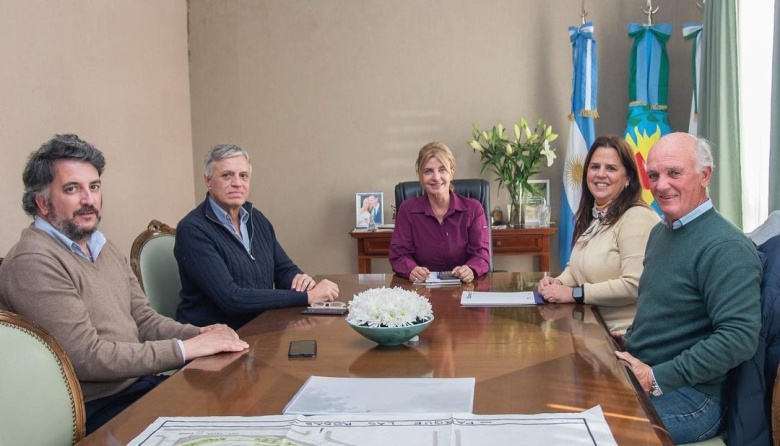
<point x="499" y="299"/>
<point x="440" y="279"/>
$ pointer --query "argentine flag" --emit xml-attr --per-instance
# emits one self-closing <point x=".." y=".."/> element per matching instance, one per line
<point x="581" y="130"/>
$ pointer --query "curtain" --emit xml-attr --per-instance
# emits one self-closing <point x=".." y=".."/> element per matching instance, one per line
<point x="719" y="106"/>
<point x="692" y="31"/>
<point x="774" y="147"/>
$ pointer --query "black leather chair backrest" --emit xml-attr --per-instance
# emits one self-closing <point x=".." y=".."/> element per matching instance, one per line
<point x="478" y="189"/>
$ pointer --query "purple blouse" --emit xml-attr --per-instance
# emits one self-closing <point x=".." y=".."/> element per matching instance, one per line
<point x="460" y="239"/>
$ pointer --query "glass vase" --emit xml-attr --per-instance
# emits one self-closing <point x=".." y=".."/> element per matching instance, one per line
<point x="516" y="211"/>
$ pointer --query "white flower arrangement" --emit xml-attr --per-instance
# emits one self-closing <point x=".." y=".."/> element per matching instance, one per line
<point x="388" y="307"/>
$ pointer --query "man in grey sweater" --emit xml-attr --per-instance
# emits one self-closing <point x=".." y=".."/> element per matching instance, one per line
<point x="64" y="275"/>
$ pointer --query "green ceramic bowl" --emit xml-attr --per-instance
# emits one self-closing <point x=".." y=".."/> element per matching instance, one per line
<point x="389" y="336"/>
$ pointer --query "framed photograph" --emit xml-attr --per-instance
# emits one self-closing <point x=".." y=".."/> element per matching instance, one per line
<point x="367" y="205"/>
<point x="541" y="192"/>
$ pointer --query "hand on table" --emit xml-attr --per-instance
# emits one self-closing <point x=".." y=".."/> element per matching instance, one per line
<point x="325" y="291"/>
<point x="302" y="282"/>
<point x="464" y="273"/>
<point x="419" y="274"/>
<point x="552" y="291"/>
<point x="213" y="339"/>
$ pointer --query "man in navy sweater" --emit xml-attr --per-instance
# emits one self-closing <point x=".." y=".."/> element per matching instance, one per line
<point x="699" y="313"/>
<point x="230" y="263"/>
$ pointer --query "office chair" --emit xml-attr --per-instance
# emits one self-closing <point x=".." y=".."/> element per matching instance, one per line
<point x="155" y="267"/>
<point x="478" y="189"/>
<point x="41" y="396"/>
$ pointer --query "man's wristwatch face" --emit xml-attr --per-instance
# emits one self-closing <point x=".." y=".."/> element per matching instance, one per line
<point x="654" y="389"/>
<point x="577" y="294"/>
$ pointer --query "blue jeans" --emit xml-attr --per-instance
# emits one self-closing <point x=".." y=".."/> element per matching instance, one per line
<point x="690" y="415"/>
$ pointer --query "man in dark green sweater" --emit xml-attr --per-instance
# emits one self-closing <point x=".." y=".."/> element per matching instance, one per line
<point x="698" y="314"/>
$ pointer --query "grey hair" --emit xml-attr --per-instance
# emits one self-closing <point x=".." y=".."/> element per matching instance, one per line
<point x="39" y="171"/>
<point x="703" y="155"/>
<point x="222" y="152"/>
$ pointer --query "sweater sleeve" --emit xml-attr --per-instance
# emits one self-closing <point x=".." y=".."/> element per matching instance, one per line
<point x="38" y="287"/>
<point x="200" y="261"/>
<point x="631" y="233"/>
<point x="566" y="278"/>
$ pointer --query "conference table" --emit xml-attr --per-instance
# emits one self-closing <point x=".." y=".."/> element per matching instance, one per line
<point x="549" y="358"/>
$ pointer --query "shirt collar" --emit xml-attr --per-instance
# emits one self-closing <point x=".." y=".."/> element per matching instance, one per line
<point x="690" y="216"/>
<point x="223" y="216"/>
<point x="95" y="242"/>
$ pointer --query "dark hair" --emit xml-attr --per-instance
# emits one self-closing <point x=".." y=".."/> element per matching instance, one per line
<point x="630" y="196"/>
<point x="39" y="171"/>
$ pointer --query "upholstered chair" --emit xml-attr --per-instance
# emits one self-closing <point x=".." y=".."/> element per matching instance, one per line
<point x="40" y="397"/>
<point x="155" y="267"/>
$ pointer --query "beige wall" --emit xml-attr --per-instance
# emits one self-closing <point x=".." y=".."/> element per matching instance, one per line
<point x="334" y="97"/>
<point x="116" y="74"/>
<point x="331" y="97"/>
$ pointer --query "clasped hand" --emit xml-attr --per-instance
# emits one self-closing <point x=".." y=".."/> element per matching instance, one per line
<point x="552" y="290"/>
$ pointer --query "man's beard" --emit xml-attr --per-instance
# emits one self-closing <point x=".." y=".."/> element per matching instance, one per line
<point x="69" y="228"/>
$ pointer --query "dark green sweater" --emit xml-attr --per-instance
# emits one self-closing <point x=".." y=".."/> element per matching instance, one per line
<point x="699" y="313"/>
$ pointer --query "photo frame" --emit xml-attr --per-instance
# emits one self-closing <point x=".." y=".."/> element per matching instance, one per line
<point x="534" y="199"/>
<point x="366" y="205"/>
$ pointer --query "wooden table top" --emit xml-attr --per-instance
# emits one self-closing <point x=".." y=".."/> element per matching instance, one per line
<point x="541" y="359"/>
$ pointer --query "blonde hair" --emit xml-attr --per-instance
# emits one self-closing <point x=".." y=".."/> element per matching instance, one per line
<point x="437" y="150"/>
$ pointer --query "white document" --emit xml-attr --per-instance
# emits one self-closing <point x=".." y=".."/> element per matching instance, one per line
<point x="499" y="299"/>
<point x="557" y="429"/>
<point x="324" y="395"/>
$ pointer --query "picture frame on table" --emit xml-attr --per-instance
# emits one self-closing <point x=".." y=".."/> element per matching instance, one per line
<point x="541" y="191"/>
<point x="366" y="205"/>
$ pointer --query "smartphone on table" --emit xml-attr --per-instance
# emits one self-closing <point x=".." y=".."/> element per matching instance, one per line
<point x="302" y="349"/>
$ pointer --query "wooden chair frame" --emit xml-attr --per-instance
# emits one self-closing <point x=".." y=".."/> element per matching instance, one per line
<point x="78" y="412"/>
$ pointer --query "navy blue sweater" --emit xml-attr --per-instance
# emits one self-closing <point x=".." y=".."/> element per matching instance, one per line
<point x="221" y="282"/>
<point x="750" y="405"/>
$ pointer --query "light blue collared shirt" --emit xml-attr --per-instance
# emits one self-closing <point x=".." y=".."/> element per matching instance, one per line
<point x="227" y="222"/>
<point x="689" y="217"/>
<point x="95" y="242"/>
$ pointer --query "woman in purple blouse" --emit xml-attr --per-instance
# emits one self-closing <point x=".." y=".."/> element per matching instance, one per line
<point x="440" y="230"/>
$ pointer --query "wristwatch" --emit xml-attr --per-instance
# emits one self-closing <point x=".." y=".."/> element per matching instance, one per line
<point x="578" y="293"/>
<point x="655" y="390"/>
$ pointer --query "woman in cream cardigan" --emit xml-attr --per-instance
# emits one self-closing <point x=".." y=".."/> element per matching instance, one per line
<point x="610" y="233"/>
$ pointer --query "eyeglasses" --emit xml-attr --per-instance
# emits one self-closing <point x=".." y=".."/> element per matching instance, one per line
<point x="336" y="304"/>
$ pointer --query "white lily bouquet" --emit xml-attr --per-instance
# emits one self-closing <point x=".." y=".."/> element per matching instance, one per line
<point x="388" y="307"/>
<point x="515" y="161"/>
